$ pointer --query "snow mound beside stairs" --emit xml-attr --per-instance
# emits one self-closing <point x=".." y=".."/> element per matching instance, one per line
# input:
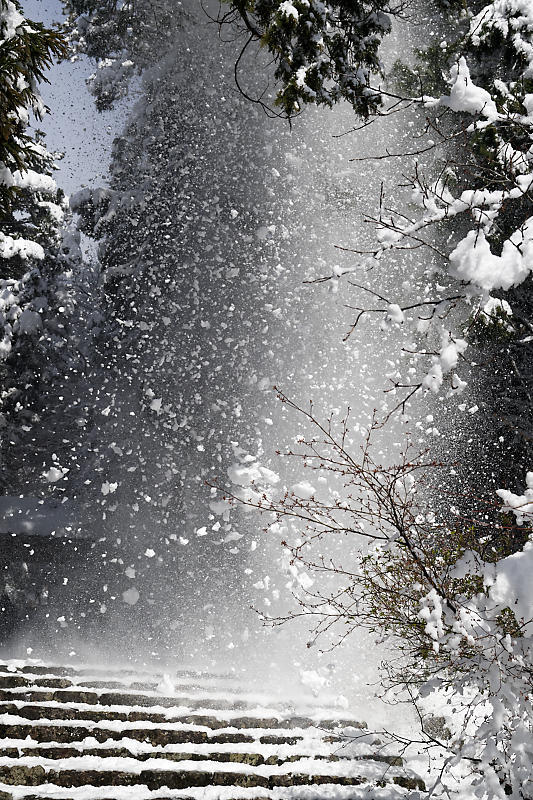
<point x="75" y="733"/>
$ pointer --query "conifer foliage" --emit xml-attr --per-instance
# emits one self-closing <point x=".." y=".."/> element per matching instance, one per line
<point x="121" y="37"/>
<point x="35" y="253"/>
<point x="322" y="52"/>
<point x="27" y="49"/>
<point x="319" y="52"/>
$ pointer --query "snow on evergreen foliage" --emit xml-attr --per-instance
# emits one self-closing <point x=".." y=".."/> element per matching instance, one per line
<point x="323" y="51"/>
<point x="482" y="635"/>
<point x="474" y="216"/>
<point x="26" y="51"/>
<point x="121" y="38"/>
<point x="36" y="253"/>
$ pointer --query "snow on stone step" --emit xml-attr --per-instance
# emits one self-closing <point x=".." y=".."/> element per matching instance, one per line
<point x="58" y="753"/>
<point x="36" y="693"/>
<point x="345" y="768"/>
<point x="123" y="737"/>
<point x="320" y="792"/>
<point x="37" y="688"/>
<point x="250" y="752"/>
<point x="92" y="678"/>
<point x="101" y="679"/>
<point x="159" y="702"/>
<point x="218" y="687"/>
<point x="204" y="718"/>
<point x="122" y="675"/>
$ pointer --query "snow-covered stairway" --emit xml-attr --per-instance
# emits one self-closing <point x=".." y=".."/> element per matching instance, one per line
<point x="88" y="734"/>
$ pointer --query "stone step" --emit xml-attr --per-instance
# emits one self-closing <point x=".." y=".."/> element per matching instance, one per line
<point x="84" y="734"/>
<point x="23" y="775"/>
<point x="155" y="736"/>
<point x="56" y="753"/>
<point x="119" y="699"/>
<point x="119" y="674"/>
<point x="11" y="680"/>
<point x="199" y="698"/>
<point x="17" y="687"/>
<point x="253" y="759"/>
<point x="16" y="681"/>
<point x="207" y="720"/>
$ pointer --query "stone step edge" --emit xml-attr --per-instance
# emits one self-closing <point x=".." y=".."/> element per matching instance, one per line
<point x="20" y="769"/>
<point x="67" y="696"/>
<point x="23" y="730"/>
<point x="18" y="683"/>
<point x="117" y="672"/>
<point x="14" y="684"/>
<point x="225" y="756"/>
<point x="13" y="680"/>
<point x="140" y="700"/>
<point x="18" y="775"/>
<point x="79" y="712"/>
<point x="136" y="747"/>
<point x="251" y="759"/>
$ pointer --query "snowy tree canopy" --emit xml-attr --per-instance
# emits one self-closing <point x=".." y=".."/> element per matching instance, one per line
<point x="469" y="206"/>
<point x="35" y="251"/>
<point x="120" y="37"/>
<point x="459" y="593"/>
<point x="323" y="52"/>
<point x="26" y="51"/>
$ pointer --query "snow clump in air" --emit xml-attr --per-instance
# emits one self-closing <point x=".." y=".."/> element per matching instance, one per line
<point x="304" y="490"/>
<point x="131" y="596"/>
<point x="55" y="474"/>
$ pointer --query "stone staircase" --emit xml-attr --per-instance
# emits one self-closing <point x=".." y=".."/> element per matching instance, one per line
<point x="101" y="734"/>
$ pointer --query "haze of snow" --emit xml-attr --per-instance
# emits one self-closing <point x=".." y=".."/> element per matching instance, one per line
<point x="219" y="215"/>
